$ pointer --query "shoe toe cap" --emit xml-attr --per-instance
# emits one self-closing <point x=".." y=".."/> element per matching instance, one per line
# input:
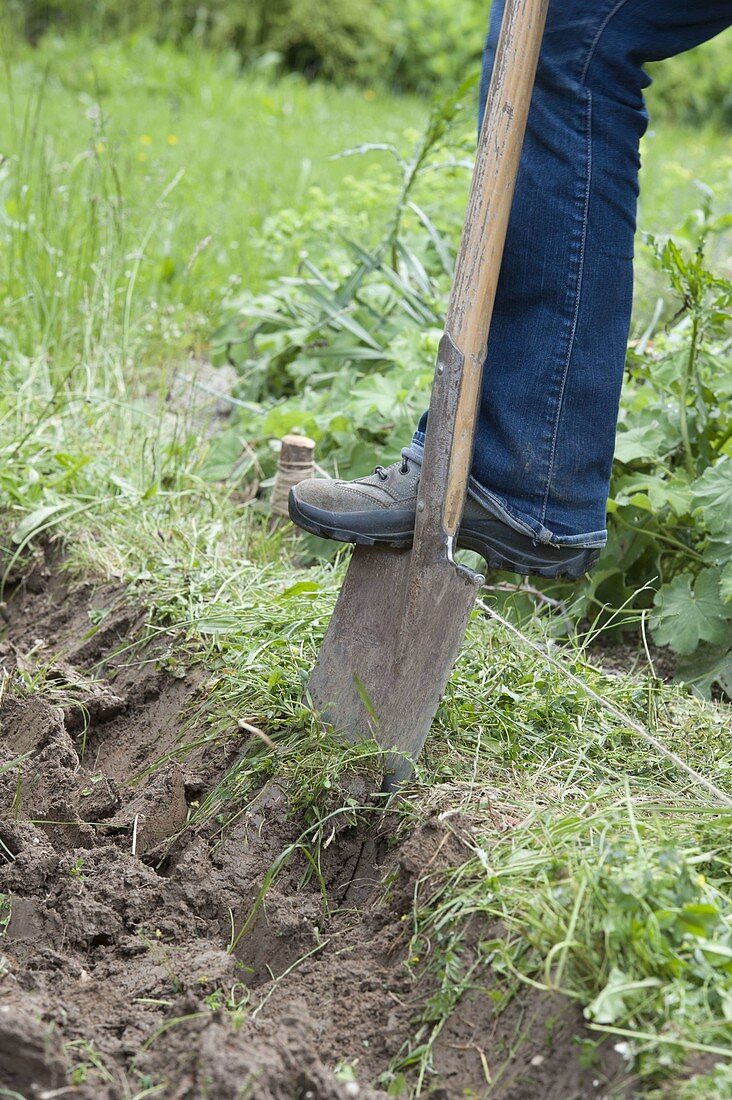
<point x="327" y="495"/>
<point x="313" y="491"/>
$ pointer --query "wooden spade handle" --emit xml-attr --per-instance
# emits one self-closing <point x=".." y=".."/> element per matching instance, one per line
<point x="445" y="477"/>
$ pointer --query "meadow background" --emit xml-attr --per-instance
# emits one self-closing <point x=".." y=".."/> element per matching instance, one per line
<point x="279" y="188"/>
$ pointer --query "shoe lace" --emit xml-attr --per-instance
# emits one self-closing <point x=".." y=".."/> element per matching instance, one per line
<point x="403" y="469"/>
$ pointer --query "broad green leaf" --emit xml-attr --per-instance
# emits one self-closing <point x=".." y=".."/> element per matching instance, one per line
<point x="701" y="918"/>
<point x="281" y="419"/>
<point x="377" y="393"/>
<point x="718" y="549"/>
<point x="725" y="583"/>
<point x="644" y="441"/>
<point x="640" y="500"/>
<point x="683" y="617"/>
<point x="721" y="950"/>
<point x="718" y="954"/>
<point x="708" y="666"/>
<point x="301" y="588"/>
<point x="712" y="493"/>
<point x="36" y="520"/>
<point x="612" y="1002"/>
<point x="661" y="491"/>
<point x="398" y="1086"/>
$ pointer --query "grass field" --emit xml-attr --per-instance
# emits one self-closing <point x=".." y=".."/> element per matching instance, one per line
<point x="247" y="147"/>
<point x="556" y="907"/>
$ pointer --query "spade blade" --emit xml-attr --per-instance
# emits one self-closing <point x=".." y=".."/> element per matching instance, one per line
<point x="392" y="641"/>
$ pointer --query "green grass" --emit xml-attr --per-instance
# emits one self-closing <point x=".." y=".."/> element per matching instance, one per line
<point x="611" y="860"/>
<point x="241" y="147"/>
<point x="677" y="166"/>
<point x="244" y="145"/>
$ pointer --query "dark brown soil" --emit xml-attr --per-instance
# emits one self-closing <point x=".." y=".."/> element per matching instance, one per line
<point x="626" y="658"/>
<point x="115" y="969"/>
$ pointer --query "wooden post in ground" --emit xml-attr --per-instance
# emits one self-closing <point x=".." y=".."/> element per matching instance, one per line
<point x="296" y="463"/>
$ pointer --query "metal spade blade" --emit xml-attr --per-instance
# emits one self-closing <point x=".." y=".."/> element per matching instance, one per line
<point x="391" y="644"/>
<point x="401" y="614"/>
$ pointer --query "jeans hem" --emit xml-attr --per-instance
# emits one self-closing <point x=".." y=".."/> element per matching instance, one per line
<point x="519" y="521"/>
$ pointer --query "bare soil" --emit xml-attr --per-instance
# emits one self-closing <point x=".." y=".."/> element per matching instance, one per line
<point x="115" y="967"/>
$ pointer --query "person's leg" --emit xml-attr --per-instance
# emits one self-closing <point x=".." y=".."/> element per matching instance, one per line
<point x="556" y="350"/>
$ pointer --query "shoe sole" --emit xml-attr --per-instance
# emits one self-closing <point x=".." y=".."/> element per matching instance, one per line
<point x="498" y="544"/>
<point x="500" y="552"/>
<point x="320" y="522"/>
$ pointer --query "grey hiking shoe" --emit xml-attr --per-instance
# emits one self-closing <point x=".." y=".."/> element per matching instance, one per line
<point x="379" y="510"/>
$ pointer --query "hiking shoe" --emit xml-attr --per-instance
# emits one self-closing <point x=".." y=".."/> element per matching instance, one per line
<point x="503" y="547"/>
<point x="379" y="510"/>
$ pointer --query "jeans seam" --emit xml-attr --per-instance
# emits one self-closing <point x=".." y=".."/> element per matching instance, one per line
<point x="577" y="301"/>
<point x="600" y="31"/>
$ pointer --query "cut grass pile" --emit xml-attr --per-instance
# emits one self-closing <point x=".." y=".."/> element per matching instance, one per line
<point x="597" y="866"/>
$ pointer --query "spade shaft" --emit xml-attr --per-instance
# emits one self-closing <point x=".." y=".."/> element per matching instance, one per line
<point x="478" y="263"/>
<point x="401" y="614"/>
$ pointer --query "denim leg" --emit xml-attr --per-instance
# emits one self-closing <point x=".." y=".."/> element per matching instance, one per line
<point x="556" y="351"/>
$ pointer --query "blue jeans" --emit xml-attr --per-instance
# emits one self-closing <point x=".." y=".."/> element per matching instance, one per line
<point x="556" y="351"/>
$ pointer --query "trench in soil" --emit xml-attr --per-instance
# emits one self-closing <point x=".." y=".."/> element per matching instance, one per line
<point x="117" y="974"/>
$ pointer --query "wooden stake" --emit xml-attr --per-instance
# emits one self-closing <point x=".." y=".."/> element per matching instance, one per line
<point x="296" y="464"/>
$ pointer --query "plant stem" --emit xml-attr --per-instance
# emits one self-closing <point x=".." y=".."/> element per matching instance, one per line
<point x="686" y="381"/>
<point x="658" y="537"/>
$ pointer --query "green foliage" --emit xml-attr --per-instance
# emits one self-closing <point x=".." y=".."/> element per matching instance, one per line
<point x="716" y="1084"/>
<point x="434" y="42"/>
<point x="603" y="907"/>
<point x="341" y="40"/>
<point x="695" y="88"/>
<point x="131" y="172"/>
<point x="684" y="618"/>
<point x="671" y="496"/>
<point x="415" y="45"/>
<point x="344" y="352"/>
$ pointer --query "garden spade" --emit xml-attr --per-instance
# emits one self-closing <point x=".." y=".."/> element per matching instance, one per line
<point x="401" y="614"/>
